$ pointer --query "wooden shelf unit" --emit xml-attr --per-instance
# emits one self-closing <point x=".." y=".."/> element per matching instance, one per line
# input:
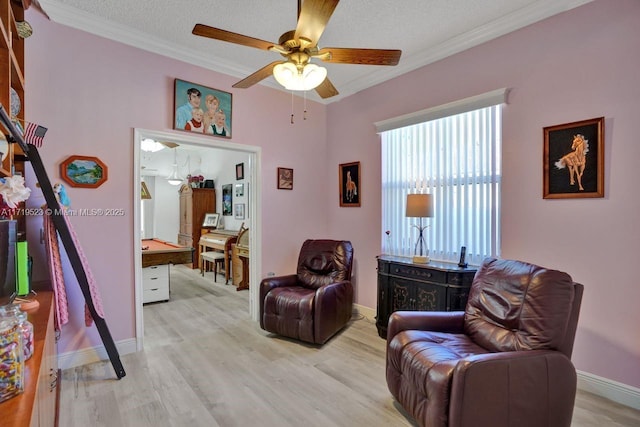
<point x="12" y="69"/>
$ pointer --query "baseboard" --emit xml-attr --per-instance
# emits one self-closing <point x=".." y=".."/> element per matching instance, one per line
<point x="620" y="393"/>
<point x="93" y="354"/>
<point x="368" y="313"/>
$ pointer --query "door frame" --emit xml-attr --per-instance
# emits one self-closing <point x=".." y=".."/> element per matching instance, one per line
<point x="254" y="214"/>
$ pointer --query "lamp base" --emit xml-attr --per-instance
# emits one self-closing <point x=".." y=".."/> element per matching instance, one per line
<point x="419" y="259"/>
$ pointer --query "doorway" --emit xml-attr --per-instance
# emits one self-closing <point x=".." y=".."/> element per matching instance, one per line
<point x="251" y="174"/>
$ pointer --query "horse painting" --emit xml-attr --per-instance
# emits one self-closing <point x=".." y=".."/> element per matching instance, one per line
<point x="576" y="160"/>
<point x="351" y="190"/>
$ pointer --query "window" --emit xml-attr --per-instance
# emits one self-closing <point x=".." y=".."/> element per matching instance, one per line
<point x="456" y="157"/>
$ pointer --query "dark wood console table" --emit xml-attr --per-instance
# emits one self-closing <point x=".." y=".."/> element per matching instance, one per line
<point x="403" y="285"/>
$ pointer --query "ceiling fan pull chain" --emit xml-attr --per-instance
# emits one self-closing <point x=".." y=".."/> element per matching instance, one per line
<point x="304" y="111"/>
<point x="291" y="107"/>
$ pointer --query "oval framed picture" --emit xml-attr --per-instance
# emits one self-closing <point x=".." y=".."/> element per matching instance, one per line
<point x="83" y="171"/>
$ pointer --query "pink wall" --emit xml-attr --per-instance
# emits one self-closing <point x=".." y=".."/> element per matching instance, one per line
<point x="578" y="65"/>
<point x="91" y="93"/>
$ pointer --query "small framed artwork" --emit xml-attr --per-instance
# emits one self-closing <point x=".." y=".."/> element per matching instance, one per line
<point x="350" y="191"/>
<point x="227" y="199"/>
<point x="574" y="160"/>
<point x="239" y="211"/>
<point x="202" y="109"/>
<point x="239" y="171"/>
<point x="239" y="190"/>
<point x="211" y="220"/>
<point x="83" y="171"/>
<point x="285" y="179"/>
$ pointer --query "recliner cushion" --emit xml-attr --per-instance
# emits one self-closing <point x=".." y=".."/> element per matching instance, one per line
<point x="419" y="369"/>
<point x="289" y="311"/>
<point x="322" y="262"/>
<point x="511" y="307"/>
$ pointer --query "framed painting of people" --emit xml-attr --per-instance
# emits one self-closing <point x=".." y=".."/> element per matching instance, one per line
<point x="202" y="109"/>
<point x="350" y="191"/>
<point x="574" y="160"/>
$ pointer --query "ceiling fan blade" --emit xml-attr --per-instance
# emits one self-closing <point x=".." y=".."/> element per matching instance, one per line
<point x="169" y="144"/>
<point x="326" y="89"/>
<point x="254" y="78"/>
<point x="313" y="18"/>
<point x="228" y="36"/>
<point x="342" y="55"/>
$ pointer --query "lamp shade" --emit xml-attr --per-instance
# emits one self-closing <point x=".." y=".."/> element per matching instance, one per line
<point x="287" y="75"/>
<point x="419" y="206"/>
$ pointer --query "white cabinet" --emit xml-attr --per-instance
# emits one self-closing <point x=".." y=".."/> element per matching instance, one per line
<point x="155" y="282"/>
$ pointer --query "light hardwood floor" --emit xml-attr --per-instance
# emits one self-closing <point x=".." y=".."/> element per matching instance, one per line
<point x="206" y="363"/>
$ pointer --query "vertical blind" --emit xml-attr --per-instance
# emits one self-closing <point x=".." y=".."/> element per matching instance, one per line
<point x="456" y="159"/>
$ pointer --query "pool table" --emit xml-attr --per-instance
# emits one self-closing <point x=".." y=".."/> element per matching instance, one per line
<point x="158" y="252"/>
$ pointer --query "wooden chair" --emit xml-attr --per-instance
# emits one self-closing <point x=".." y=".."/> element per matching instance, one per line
<point x="217" y="258"/>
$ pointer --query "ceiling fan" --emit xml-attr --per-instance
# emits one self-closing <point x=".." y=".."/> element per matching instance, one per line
<point x="152" y="146"/>
<point x="299" y="46"/>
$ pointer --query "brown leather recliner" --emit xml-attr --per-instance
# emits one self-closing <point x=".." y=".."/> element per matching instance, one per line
<point x="504" y="361"/>
<point x="315" y="303"/>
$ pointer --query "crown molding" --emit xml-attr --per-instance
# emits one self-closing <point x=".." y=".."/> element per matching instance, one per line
<point x="508" y="23"/>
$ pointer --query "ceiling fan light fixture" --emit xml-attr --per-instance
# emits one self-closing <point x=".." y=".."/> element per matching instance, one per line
<point x="287" y="75"/>
<point x="151" y="146"/>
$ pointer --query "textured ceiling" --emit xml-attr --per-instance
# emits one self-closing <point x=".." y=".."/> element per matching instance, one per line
<point x="425" y="30"/>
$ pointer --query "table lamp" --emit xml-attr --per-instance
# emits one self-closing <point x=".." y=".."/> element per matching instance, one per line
<point x="420" y="206"/>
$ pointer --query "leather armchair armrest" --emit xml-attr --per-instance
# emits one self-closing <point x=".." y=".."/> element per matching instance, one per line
<point x="544" y="380"/>
<point x="269" y="283"/>
<point x="333" y="307"/>
<point x="437" y="321"/>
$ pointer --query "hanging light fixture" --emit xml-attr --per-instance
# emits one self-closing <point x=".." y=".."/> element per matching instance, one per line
<point x="175" y="178"/>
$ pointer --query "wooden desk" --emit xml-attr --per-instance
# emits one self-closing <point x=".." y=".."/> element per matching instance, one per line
<point x="159" y="252"/>
<point x="219" y="240"/>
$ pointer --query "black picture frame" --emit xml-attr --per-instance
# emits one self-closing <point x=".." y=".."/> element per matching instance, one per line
<point x="285" y="179"/>
<point x="574" y="160"/>
<point x="227" y="200"/>
<point x="350" y="191"/>
<point x="239" y="171"/>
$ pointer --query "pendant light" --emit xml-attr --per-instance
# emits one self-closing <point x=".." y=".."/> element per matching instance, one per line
<point x="175" y="178"/>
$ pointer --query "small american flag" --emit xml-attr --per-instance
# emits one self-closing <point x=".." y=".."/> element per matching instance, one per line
<point x="34" y="133"/>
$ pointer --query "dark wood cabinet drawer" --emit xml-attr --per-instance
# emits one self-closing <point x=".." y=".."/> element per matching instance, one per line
<point x="462" y="279"/>
<point x="418" y="273"/>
